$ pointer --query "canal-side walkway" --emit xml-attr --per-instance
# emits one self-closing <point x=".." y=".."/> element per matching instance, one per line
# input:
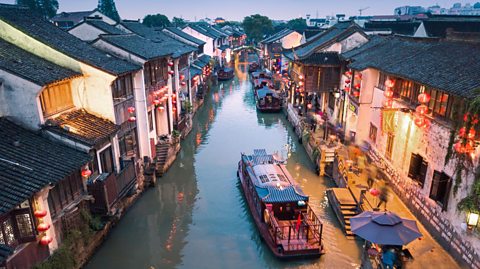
<point x="426" y="251"/>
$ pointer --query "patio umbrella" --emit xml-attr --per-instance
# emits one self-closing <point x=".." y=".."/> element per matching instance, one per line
<point x="384" y="228"/>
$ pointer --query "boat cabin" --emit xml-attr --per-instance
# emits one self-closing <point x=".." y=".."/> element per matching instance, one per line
<point x="225" y="74"/>
<point x="261" y="74"/>
<point x="268" y="100"/>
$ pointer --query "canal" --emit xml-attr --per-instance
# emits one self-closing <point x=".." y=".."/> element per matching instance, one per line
<point x="196" y="216"/>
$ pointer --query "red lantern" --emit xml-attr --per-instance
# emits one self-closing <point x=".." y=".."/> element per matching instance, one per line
<point x="131" y="109"/>
<point x="348" y="81"/>
<point x="40" y="213"/>
<point x="423" y="98"/>
<point x="156" y="102"/>
<point x="358" y="76"/>
<point x="183" y="83"/>
<point x="357" y="86"/>
<point x="389" y="83"/>
<point x="422" y="109"/>
<point x="42" y="227"/>
<point x="374" y="192"/>
<point x="171" y="72"/>
<point x="388" y="93"/>
<point x="182" y="77"/>
<point x="419" y="121"/>
<point x="195" y="78"/>
<point x="388" y="103"/>
<point x="347" y="89"/>
<point x="468" y="147"/>
<point x="174" y="109"/>
<point x="132" y="119"/>
<point x="161" y="108"/>
<point x="170" y="63"/>
<point x="86" y="173"/>
<point x="356" y="93"/>
<point x="46" y="239"/>
<point x="348" y="73"/>
<point x="471" y="134"/>
<point x="309" y="106"/>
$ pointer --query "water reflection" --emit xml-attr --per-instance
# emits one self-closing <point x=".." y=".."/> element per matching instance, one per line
<point x="196" y="216"/>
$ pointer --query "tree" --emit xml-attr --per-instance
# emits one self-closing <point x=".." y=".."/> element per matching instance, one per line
<point x="298" y="24"/>
<point x="157" y="20"/>
<point x="108" y="8"/>
<point x="46" y="8"/>
<point x="257" y="26"/>
<point x="178" y="22"/>
<point x="476" y="5"/>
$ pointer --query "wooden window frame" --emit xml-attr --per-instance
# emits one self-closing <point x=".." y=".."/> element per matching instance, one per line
<point x="56" y="98"/>
<point x="372" y="133"/>
<point x="389" y="146"/>
<point x="438" y="195"/>
<point x="417" y="169"/>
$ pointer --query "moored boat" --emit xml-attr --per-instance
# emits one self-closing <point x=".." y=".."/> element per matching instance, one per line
<point x="261" y="74"/>
<point x="268" y="100"/>
<point x="280" y="209"/>
<point x="225" y="74"/>
<point x="252" y="67"/>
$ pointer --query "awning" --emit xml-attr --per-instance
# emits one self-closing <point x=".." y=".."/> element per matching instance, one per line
<point x="195" y="71"/>
<point x="280" y="195"/>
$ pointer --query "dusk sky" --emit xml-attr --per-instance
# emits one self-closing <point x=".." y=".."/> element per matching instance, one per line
<point x="238" y="9"/>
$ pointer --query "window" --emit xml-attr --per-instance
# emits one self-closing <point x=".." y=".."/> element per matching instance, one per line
<point x="150" y="120"/>
<point x="331" y="101"/>
<point x="389" y="149"/>
<point x="122" y="88"/>
<point x="17" y="227"/>
<point x="106" y="160"/>
<point x="373" y="133"/>
<point x="441" y="186"/>
<point x="56" y="98"/>
<point x="381" y="81"/>
<point x="418" y="169"/>
<point x="65" y="192"/>
<point x="155" y="71"/>
<point x="128" y="144"/>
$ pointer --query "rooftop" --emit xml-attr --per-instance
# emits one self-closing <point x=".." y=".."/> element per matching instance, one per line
<point x="423" y="60"/>
<point x="81" y="126"/>
<point x="31" y="67"/>
<point x="182" y="34"/>
<point x="103" y="26"/>
<point x="76" y="17"/>
<point x="30" y="162"/>
<point x="137" y="45"/>
<point x="36" y="27"/>
<point x="277" y="36"/>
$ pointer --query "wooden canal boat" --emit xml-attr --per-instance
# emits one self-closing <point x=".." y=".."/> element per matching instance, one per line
<point x="261" y="83"/>
<point x="252" y="67"/>
<point x="225" y="74"/>
<point x="280" y="209"/>
<point x="261" y="74"/>
<point x="267" y="100"/>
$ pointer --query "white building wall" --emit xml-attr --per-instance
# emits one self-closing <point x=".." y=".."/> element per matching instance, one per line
<point x="291" y="40"/>
<point x="209" y="48"/>
<point x="86" y="32"/>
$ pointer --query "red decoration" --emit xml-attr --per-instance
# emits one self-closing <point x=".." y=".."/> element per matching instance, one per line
<point x="183" y="83"/>
<point x="358" y="76"/>
<point x="422" y="109"/>
<point x="388" y="103"/>
<point x="86" y="173"/>
<point x="347" y="89"/>
<point x="356" y="93"/>
<point x="171" y="72"/>
<point x="389" y="83"/>
<point x="40" y="213"/>
<point x="374" y="192"/>
<point x="462" y="132"/>
<point x="131" y="109"/>
<point x="465" y="116"/>
<point x="161" y="108"/>
<point x="170" y="63"/>
<point x="156" y="102"/>
<point x="348" y="81"/>
<point x="132" y="119"/>
<point x="423" y="98"/>
<point x="388" y="93"/>
<point x="471" y="134"/>
<point x="182" y="77"/>
<point x="46" y="239"/>
<point x="357" y="86"/>
<point x="419" y="121"/>
<point x="309" y="106"/>
<point x="42" y="227"/>
<point x="195" y="78"/>
<point x="348" y="73"/>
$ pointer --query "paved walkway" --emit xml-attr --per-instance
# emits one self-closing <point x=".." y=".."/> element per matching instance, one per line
<point x="427" y="252"/>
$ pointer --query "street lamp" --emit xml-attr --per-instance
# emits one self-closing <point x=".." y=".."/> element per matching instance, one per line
<point x="472" y="220"/>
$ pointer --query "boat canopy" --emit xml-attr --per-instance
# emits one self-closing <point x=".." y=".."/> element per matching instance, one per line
<point x="261" y="93"/>
<point x="281" y="195"/>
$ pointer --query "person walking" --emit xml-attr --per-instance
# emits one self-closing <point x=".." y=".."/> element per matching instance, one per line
<point x="384" y="195"/>
<point x="371" y="174"/>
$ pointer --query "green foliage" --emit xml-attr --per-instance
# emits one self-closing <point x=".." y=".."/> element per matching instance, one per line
<point x="298" y="24"/>
<point x="257" y="26"/>
<point x="178" y="22"/>
<point x="471" y="203"/>
<point x="46" y="8"/>
<point x="62" y="258"/>
<point x="188" y="106"/>
<point x="108" y="8"/>
<point x="176" y="133"/>
<point x="156" y="20"/>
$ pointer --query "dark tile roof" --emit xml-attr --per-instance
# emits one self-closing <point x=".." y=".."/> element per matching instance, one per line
<point x="47" y="33"/>
<point x="396" y="27"/>
<point x="137" y="45"/>
<point x="76" y="17"/>
<point x="310" y="33"/>
<point x="277" y="36"/>
<point x="322" y="58"/>
<point x="172" y="46"/>
<point x="103" y="26"/>
<point x="446" y="65"/>
<point x="195" y="71"/>
<point x="5" y="251"/>
<point x="31" y="164"/>
<point x="335" y="33"/>
<point x="182" y="34"/>
<point x="199" y="63"/>
<point x="437" y="26"/>
<point x="31" y="67"/>
<point x="205" y="58"/>
<point x="204" y="30"/>
<point x="82" y="126"/>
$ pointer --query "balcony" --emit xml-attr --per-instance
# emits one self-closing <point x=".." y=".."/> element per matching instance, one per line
<point x="108" y="188"/>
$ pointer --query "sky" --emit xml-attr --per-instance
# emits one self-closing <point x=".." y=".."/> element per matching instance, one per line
<point x="237" y="9"/>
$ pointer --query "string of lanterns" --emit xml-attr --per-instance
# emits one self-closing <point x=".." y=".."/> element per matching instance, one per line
<point x="131" y="112"/>
<point x="422" y="110"/>
<point x="43" y="227"/>
<point x="388" y="93"/>
<point x="160" y="97"/>
<point x="465" y="140"/>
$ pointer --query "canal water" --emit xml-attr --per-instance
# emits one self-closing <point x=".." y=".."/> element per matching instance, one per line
<point x="196" y="216"/>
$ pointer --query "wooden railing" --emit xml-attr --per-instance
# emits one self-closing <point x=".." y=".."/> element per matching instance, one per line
<point x="309" y="231"/>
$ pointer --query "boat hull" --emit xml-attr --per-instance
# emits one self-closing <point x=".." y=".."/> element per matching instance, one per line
<point x="263" y="228"/>
<point x="275" y="109"/>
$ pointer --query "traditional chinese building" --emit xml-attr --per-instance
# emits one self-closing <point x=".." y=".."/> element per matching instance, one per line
<point x="272" y="48"/>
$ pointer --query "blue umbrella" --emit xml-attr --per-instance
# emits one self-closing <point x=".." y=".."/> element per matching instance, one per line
<point x="384" y="228"/>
